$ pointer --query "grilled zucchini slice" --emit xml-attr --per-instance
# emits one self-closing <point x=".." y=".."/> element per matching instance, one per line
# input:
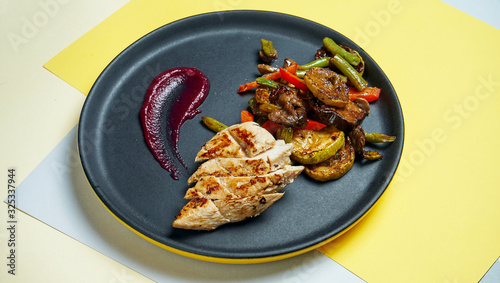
<point x="314" y="146"/>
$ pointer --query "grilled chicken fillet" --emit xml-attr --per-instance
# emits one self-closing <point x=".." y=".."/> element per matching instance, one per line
<point x="221" y="145"/>
<point x="207" y="214"/>
<point x="212" y="187"/>
<point x="252" y="138"/>
<point x="244" y="172"/>
<point x="199" y="214"/>
<point x="239" y="209"/>
<point x="264" y="163"/>
<point x="242" y="140"/>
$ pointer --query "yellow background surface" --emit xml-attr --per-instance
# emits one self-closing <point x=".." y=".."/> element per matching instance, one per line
<point x="438" y="220"/>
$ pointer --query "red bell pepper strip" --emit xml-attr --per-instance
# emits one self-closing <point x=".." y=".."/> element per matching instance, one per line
<point x="368" y="93"/>
<point x="313" y="125"/>
<point x="246" y="116"/>
<point x="277" y="75"/>
<point x="247" y="86"/>
<point x="270" y="76"/>
<point x="271" y="126"/>
<point x="292" y="69"/>
<point x="291" y="78"/>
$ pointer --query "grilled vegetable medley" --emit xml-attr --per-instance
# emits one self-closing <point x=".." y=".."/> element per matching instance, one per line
<point x="317" y="106"/>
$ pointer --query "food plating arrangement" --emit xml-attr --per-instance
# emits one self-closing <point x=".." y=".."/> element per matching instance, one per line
<point x="300" y="118"/>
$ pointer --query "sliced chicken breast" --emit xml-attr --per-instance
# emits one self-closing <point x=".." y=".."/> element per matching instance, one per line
<point x="244" y="170"/>
<point x="252" y="138"/>
<point x="199" y="214"/>
<point x="239" y="209"/>
<point x="279" y="156"/>
<point x="212" y="187"/>
<point x="221" y="145"/>
<point x="264" y="163"/>
<point x="241" y="140"/>
<point x="205" y="214"/>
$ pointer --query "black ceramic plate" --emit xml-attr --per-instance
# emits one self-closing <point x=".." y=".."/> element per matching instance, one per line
<point x="134" y="187"/>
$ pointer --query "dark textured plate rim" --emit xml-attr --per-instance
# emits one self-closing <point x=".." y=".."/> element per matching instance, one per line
<point x="225" y="259"/>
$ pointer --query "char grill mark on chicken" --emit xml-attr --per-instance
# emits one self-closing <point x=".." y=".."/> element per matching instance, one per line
<point x="231" y="189"/>
<point x="247" y="140"/>
<point x="212" y="187"/>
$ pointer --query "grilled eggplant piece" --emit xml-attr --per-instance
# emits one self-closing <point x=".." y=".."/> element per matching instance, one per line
<point x="344" y="119"/>
<point x="357" y="135"/>
<point x="327" y="86"/>
<point x="358" y="138"/>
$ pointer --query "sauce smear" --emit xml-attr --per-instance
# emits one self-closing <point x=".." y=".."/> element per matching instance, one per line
<point x="184" y="89"/>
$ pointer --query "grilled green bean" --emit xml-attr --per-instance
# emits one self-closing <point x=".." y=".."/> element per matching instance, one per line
<point x="372" y="155"/>
<point x="266" y="82"/>
<point x="252" y="102"/>
<point x="285" y="133"/>
<point x="321" y="63"/>
<point x="301" y="73"/>
<point x="267" y="47"/>
<point x="352" y="75"/>
<point x="378" y="138"/>
<point x="334" y="48"/>
<point x="213" y="124"/>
